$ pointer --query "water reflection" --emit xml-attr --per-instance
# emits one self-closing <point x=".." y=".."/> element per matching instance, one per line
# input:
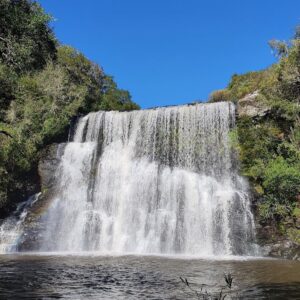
<point x="138" y="277"/>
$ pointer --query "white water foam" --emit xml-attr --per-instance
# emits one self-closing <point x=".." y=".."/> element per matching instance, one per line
<point x="160" y="181"/>
<point x="12" y="228"/>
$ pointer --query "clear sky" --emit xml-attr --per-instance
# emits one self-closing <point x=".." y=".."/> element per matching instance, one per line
<point x="174" y="51"/>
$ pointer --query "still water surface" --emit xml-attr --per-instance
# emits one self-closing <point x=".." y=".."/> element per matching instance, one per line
<point x="142" y="277"/>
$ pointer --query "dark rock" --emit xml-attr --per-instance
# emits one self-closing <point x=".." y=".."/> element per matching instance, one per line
<point x="285" y="249"/>
<point x="273" y="243"/>
<point x="34" y="223"/>
<point x="49" y="163"/>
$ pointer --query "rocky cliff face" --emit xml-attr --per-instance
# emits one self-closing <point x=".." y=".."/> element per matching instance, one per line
<point x="47" y="169"/>
<point x="250" y="106"/>
<point x="273" y="243"/>
<point x="49" y="163"/>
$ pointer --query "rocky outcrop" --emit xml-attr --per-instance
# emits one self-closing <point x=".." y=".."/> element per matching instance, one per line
<point x="272" y="241"/>
<point x="251" y="106"/>
<point x="48" y="168"/>
<point x="275" y="244"/>
<point x="282" y="249"/>
<point x="34" y="225"/>
<point x="49" y="163"/>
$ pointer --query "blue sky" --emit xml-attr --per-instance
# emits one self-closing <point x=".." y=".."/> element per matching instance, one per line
<point x="172" y="52"/>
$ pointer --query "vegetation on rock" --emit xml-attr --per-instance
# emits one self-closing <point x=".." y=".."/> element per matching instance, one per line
<point x="43" y="86"/>
<point x="269" y="144"/>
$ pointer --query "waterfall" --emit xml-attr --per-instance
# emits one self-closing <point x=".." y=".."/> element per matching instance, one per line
<point x="152" y="181"/>
<point x="11" y="229"/>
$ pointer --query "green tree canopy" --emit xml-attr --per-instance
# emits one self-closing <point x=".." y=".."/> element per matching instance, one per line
<point x="26" y="40"/>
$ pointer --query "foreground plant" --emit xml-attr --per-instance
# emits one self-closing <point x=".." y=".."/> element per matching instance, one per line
<point x="203" y="294"/>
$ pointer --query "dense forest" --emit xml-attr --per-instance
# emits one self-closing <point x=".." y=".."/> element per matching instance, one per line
<point x="269" y="144"/>
<point x="44" y="85"/>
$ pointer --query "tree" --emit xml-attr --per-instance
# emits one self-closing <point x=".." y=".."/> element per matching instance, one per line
<point x="26" y="40"/>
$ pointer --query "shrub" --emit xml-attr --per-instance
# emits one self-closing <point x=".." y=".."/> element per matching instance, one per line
<point x="26" y="40"/>
<point x="42" y="88"/>
<point x="282" y="180"/>
<point x="220" y="95"/>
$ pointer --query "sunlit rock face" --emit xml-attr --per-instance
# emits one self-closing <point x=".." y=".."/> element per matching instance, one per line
<point x="252" y="106"/>
<point x="154" y="181"/>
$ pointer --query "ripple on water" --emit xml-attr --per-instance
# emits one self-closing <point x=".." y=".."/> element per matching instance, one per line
<point x="141" y="277"/>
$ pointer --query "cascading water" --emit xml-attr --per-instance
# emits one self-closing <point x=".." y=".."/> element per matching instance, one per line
<point x="12" y="228"/>
<point x="152" y="181"/>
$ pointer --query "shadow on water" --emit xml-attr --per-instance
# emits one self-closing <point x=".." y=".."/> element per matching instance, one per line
<point x="141" y="277"/>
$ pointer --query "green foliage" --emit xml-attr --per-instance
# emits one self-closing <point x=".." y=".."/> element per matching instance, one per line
<point x="220" y="95"/>
<point x="8" y="84"/>
<point x="268" y="209"/>
<point x="269" y="147"/>
<point x="114" y="98"/>
<point x="42" y="87"/>
<point x="265" y="210"/>
<point x="258" y="144"/>
<point x="234" y="139"/>
<point x="294" y="235"/>
<point x="296" y="212"/>
<point x="26" y="40"/>
<point x="44" y="104"/>
<point x="282" y="180"/>
<point x="241" y="85"/>
<point x="288" y="74"/>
